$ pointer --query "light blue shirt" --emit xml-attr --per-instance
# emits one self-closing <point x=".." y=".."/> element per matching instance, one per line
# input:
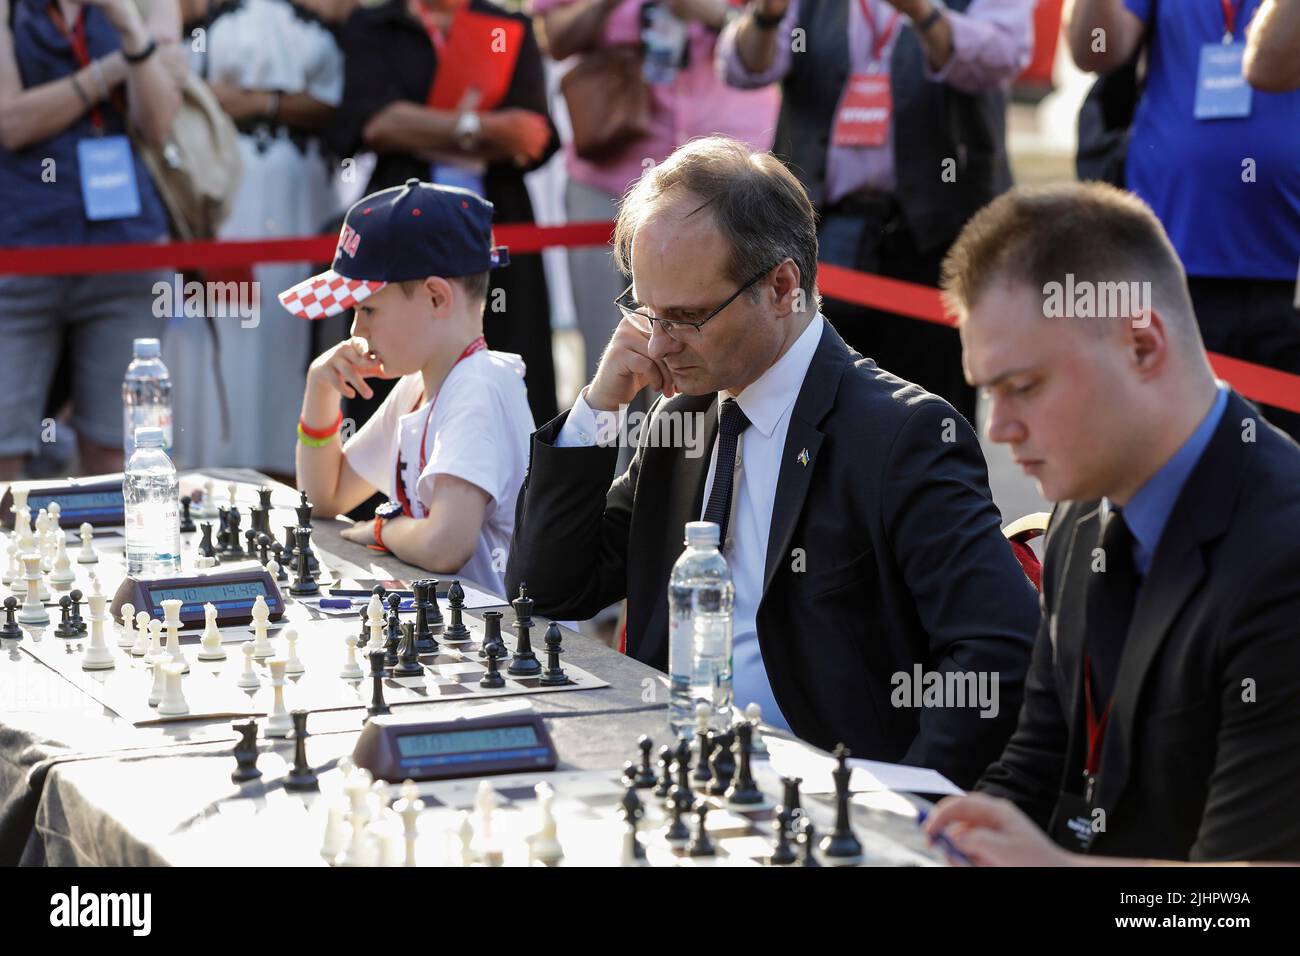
<point x="1148" y="511"/>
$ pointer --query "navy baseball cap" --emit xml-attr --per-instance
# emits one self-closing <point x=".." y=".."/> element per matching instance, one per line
<point x="407" y="232"/>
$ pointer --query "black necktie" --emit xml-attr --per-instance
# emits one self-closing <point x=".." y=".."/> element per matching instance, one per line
<point x="731" y="422"/>
<point x="1112" y="595"/>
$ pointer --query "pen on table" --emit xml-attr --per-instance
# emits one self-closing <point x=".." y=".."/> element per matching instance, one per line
<point x="942" y="839"/>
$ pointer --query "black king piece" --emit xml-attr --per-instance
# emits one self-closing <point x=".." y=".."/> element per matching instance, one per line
<point x="525" y="662"/>
<point x="304" y="521"/>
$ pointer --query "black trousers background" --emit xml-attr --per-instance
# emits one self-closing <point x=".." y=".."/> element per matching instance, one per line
<point x="1254" y="320"/>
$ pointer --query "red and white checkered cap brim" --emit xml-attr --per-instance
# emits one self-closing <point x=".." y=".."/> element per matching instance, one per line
<point x="327" y="294"/>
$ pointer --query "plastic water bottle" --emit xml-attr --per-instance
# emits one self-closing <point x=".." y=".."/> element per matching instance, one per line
<point x="152" y="494"/>
<point x="700" y="602"/>
<point x="146" y="395"/>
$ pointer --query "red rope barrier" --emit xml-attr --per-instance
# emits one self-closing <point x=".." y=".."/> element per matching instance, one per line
<point x="1256" y="382"/>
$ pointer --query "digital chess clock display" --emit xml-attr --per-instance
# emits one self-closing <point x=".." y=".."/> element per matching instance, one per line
<point x="212" y="593"/>
<point x="84" y="504"/>
<point x="394" y="748"/>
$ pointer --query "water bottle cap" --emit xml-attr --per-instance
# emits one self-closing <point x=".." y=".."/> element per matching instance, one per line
<point x="147" y="348"/>
<point x="148" y="437"/>
<point x="702" y="534"/>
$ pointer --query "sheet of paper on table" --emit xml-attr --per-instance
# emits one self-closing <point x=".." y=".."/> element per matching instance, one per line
<point x="793" y="759"/>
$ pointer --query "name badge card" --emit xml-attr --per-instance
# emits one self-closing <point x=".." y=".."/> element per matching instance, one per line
<point x="108" y="186"/>
<point x="865" y="111"/>
<point x="1221" y="88"/>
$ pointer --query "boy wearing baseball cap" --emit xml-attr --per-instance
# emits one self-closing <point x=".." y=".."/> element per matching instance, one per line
<point x="449" y="445"/>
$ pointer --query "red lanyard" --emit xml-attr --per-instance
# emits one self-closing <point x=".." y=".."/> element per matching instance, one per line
<point x="430" y="24"/>
<point x="1096" y="727"/>
<point x="1230" y="17"/>
<point x="76" y="38"/>
<point x="880" y="40"/>
<point x="476" y="346"/>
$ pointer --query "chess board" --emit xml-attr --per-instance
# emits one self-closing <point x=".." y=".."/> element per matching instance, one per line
<point x="210" y="687"/>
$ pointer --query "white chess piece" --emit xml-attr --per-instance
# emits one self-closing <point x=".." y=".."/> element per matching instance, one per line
<point x="172" y="621"/>
<point x="233" y="490"/>
<point x="32" y="611"/>
<point x="351" y="670"/>
<point x="159" y="685"/>
<point x="293" y="665"/>
<point x="141" y="646"/>
<point x="211" y="644"/>
<point x="543" y="846"/>
<point x="20" y="497"/>
<point x="485" y="804"/>
<point x="155" y="651"/>
<point x="173" y="699"/>
<point x="209" y="499"/>
<point x="262" y="647"/>
<point x="278" y="722"/>
<point x="409" y="809"/>
<point x="56" y="512"/>
<point x="87" y="553"/>
<point x="357" y="788"/>
<point x="98" y="655"/>
<point x="126" y="633"/>
<point x="375" y="620"/>
<point x="754" y="713"/>
<point x="465" y="833"/>
<point x="13" y="570"/>
<point x="62" y="574"/>
<point x="334" y="841"/>
<point x="248" y="679"/>
<point x="702" y="714"/>
<point x="23" y="527"/>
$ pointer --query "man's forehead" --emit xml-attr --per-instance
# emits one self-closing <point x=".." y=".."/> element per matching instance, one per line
<point x="677" y="255"/>
<point x="1005" y="329"/>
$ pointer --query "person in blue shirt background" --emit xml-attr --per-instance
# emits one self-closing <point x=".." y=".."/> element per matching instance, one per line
<point x="1218" y="162"/>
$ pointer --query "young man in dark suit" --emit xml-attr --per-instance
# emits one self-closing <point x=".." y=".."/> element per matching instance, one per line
<point x="854" y="507"/>
<point x="1162" y="709"/>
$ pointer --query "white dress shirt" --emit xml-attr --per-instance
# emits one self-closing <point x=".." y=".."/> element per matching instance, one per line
<point x="767" y="403"/>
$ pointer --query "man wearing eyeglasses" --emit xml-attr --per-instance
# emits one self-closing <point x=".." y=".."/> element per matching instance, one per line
<point x="854" y="507"/>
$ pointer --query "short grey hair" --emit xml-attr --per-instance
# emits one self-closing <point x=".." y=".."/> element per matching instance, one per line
<point x="760" y="208"/>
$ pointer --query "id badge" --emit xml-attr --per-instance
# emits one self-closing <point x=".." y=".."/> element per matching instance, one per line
<point x="108" y="186"/>
<point x="866" y="109"/>
<point x="1221" y="88"/>
<point x="1071" y="824"/>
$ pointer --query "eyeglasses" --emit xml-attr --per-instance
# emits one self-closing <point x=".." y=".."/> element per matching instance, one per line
<point x="678" y="329"/>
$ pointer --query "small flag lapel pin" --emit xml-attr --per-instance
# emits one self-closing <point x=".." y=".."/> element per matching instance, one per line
<point x="804" y="458"/>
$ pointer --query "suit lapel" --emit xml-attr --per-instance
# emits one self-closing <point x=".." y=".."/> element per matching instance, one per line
<point x="1069" y="632"/>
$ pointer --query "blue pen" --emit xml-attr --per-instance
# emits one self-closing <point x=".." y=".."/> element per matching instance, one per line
<point x="942" y="839"/>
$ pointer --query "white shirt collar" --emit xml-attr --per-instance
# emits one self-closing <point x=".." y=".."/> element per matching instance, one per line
<point x="770" y="395"/>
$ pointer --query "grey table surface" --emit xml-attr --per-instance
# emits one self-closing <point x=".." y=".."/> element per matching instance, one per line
<point x="67" y="763"/>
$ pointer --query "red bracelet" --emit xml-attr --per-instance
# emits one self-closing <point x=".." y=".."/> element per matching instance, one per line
<point x="379" y="533"/>
<point x="321" y="432"/>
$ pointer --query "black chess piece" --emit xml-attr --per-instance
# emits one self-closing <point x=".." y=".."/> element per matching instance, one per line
<point x="783" y="852"/>
<point x="302" y="777"/>
<point x="840" y="846"/>
<point x="424" y="635"/>
<point x="264" y="499"/>
<point x="187" y="522"/>
<point x="263" y="548"/>
<point x="233" y="547"/>
<point x="700" y="844"/>
<point x="393" y="629"/>
<point x="254" y="522"/>
<point x="456" y="632"/>
<point x="702" y="773"/>
<point x="303" y="582"/>
<point x="245" y="753"/>
<point x="206" y="549"/>
<point x="277" y="550"/>
<point x="554" y="674"/>
<point x="525" y="662"/>
<point x="303" y="511"/>
<point x="492" y="635"/>
<point x="665" y="784"/>
<point x="790" y="795"/>
<point x="807" y="836"/>
<point x="290" y="542"/>
<point x="492" y="678"/>
<point x="721" y="764"/>
<point x="377" y="703"/>
<point x="743" y="791"/>
<point x="632" y="810"/>
<point x="66" y="627"/>
<point x="223" y="529"/>
<point x="433" y="611"/>
<point x="677" y="835"/>
<point x="682" y="767"/>
<point x="11" y="630"/>
<point x="75" y="617"/>
<point x="250" y="544"/>
<point x="645" y="776"/>
<point x="408" y="654"/>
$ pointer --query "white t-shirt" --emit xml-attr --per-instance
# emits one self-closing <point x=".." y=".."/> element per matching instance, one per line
<point x="478" y="431"/>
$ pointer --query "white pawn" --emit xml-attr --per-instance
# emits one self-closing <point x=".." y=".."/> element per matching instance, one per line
<point x="293" y="666"/>
<point x="172" y="621"/>
<point x="13" y="570"/>
<point x="409" y="809"/>
<point x="159" y="680"/>
<point x="262" y="647"/>
<point x="465" y="833"/>
<point x="233" y="490"/>
<point x="248" y="679"/>
<point x="543" y="847"/>
<point x="173" y="699"/>
<point x="211" y="644"/>
<point x="351" y="670"/>
<point x="754" y="713"/>
<point x="375" y="620"/>
<point x="209" y="499"/>
<point x="87" y="553"/>
<point x="485" y="803"/>
<point x="126" y="633"/>
<point x="155" y="652"/>
<point x="334" y="842"/>
<point x="98" y="656"/>
<point x="278" y="722"/>
<point x="141" y="646"/>
<point x="56" y="512"/>
<point x="62" y="574"/>
<point x="33" y="611"/>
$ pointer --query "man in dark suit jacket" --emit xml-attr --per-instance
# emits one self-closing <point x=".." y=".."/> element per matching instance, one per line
<point x="1162" y="709"/>
<point x="866" y="549"/>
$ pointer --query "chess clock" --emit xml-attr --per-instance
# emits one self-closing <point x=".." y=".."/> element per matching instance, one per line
<point x="393" y="748"/>
<point x="231" y="590"/>
<point x="97" y="500"/>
